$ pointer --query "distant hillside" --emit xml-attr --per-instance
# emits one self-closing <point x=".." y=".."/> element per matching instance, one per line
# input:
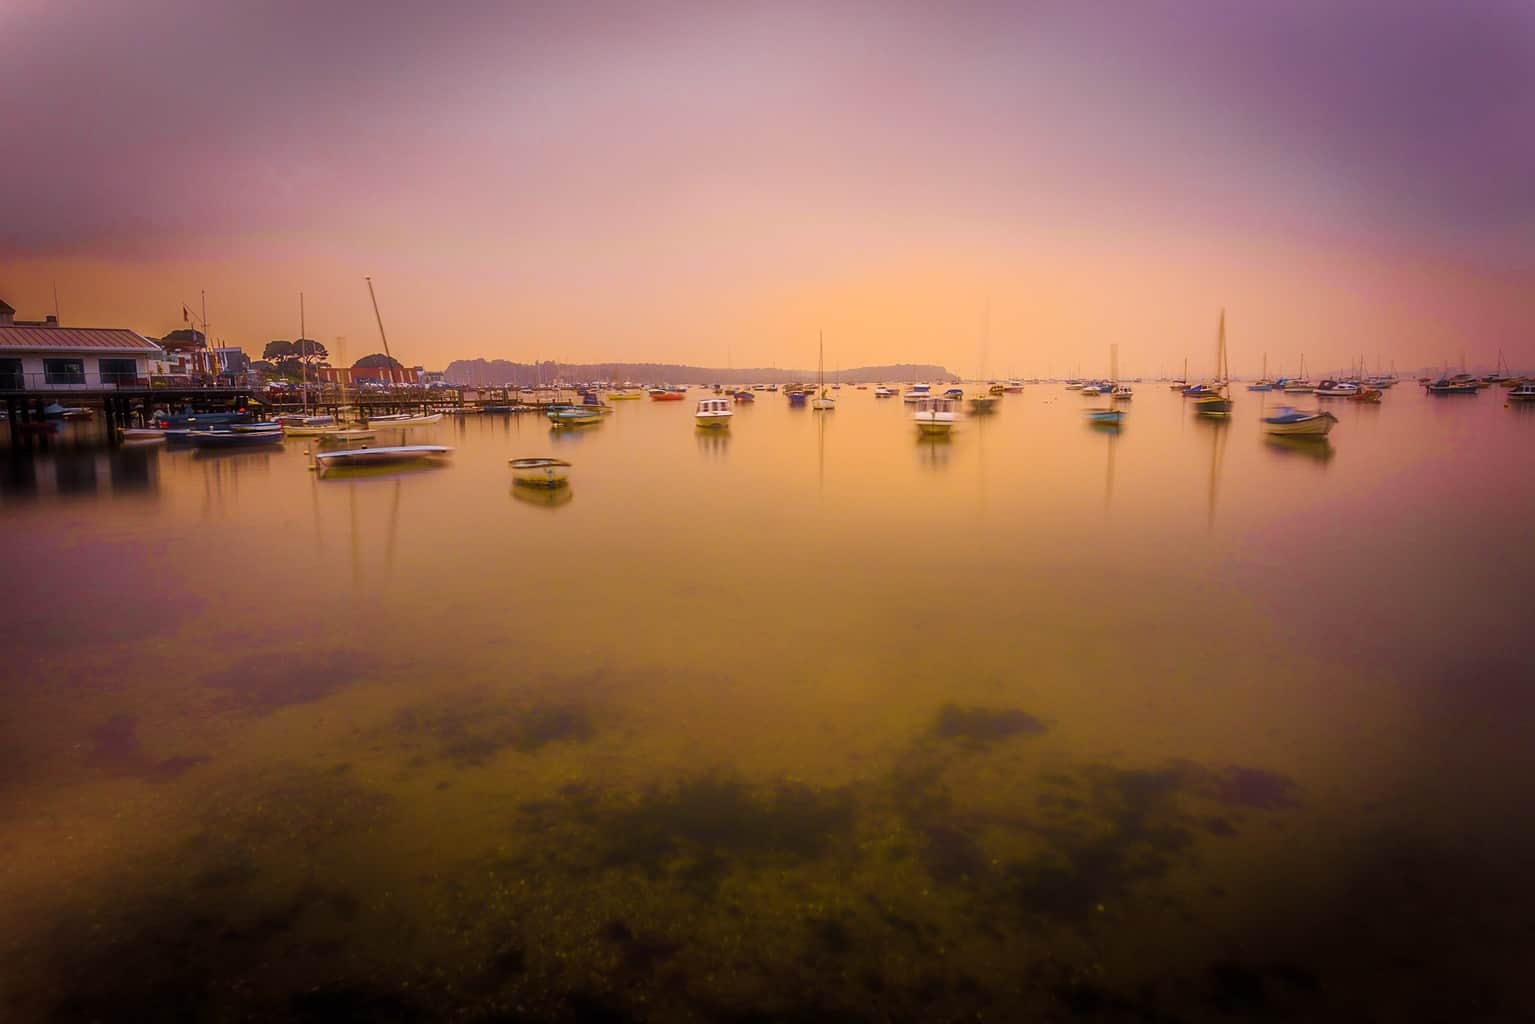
<point x="492" y="372"/>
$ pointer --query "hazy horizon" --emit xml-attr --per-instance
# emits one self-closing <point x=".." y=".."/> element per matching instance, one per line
<point x="709" y="186"/>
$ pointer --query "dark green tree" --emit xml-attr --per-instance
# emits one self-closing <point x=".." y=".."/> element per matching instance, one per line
<point x="375" y="360"/>
<point x="277" y="350"/>
<point x="309" y="350"/>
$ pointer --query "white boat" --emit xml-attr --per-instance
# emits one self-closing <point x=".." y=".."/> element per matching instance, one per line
<point x="1337" y="389"/>
<point x="1524" y="391"/>
<point x="1122" y="393"/>
<point x="540" y="472"/>
<point x="714" y="413"/>
<point x="1291" y="422"/>
<point x="255" y="428"/>
<point x="934" y="415"/>
<point x="884" y="392"/>
<point x="341" y="435"/>
<point x="406" y="420"/>
<point x="382" y="456"/>
<point x="917" y="393"/>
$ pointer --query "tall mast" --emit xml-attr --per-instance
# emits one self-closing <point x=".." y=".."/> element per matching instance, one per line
<point x="381" y="335"/>
<point x="303" y="363"/>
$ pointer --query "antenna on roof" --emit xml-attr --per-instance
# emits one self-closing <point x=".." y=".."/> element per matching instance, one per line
<point x="56" y="314"/>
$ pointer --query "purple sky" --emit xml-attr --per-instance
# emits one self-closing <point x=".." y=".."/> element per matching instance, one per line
<point x="666" y="180"/>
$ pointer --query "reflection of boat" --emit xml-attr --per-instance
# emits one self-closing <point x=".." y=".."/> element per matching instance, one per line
<point x="934" y="416"/>
<point x="541" y="472"/>
<point x="714" y="413"/>
<point x="233" y="439"/>
<point x="388" y="456"/>
<point x="1291" y="422"/>
<point x="143" y="435"/>
<point x="544" y="497"/>
<point x="1318" y="448"/>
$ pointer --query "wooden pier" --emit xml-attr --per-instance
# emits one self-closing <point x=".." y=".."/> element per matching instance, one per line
<point x="116" y="407"/>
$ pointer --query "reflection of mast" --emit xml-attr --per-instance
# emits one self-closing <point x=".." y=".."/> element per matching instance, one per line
<point x="356" y="560"/>
<point x="394" y="529"/>
<point x="1108" y="480"/>
<point x="1217" y="450"/>
<point x="820" y="451"/>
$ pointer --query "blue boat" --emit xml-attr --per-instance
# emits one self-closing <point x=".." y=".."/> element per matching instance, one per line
<point x="200" y="420"/>
<point x="1111" y="417"/>
<point x="234" y="439"/>
<point x="796" y="398"/>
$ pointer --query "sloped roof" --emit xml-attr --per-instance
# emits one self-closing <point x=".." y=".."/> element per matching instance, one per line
<point x="73" y="339"/>
<point x="5" y="307"/>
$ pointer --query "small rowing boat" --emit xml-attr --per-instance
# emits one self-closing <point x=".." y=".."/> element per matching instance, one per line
<point x="1291" y="422"/>
<point x="540" y="472"/>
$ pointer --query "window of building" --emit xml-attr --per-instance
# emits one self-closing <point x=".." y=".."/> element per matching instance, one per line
<point x="119" y="371"/>
<point x="10" y="375"/>
<point x="64" y="371"/>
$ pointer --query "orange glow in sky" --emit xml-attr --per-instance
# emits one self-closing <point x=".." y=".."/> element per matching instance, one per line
<point x="709" y="183"/>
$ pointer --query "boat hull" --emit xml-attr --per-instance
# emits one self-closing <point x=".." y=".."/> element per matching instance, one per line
<point x="396" y="455"/>
<point x="1312" y="426"/>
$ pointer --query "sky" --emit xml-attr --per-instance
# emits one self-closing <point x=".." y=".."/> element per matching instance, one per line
<point x="1002" y="188"/>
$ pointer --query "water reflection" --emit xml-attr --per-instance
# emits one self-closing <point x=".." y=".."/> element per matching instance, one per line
<point x="933" y="450"/>
<point x="712" y="441"/>
<point x="79" y="472"/>
<point x="1018" y="765"/>
<point x="544" y="497"/>
<point x="1218" y="429"/>
<point x="1319" y="449"/>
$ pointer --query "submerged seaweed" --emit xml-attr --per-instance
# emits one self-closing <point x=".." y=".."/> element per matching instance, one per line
<point x="985" y="725"/>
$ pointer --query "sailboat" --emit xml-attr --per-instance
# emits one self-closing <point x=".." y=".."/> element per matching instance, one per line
<point x="823" y="401"/>
<point x="1217" y="402"/>
<point x="984" y="405"/>
<point x="1182" y="382"/>
<point x="1108" y="415"/>
<point x="1262" y="383"/>
<point x="1118" y="391"/>
<point x="1300" y="385"/>
<point x="396" y="419"/>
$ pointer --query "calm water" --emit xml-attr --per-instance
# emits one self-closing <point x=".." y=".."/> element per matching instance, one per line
<point x="809" y="720"/>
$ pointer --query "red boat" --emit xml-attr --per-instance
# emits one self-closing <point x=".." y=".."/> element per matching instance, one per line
<point x="663" y="395"/>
